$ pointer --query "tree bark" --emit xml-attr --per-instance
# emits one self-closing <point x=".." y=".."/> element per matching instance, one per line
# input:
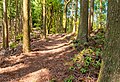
<point x="21" y="17"/>
<point x="10" y="30"/>
<point x="100" y="15"/>
<point x="76" y="11"/>
<point x="75" y="7"/>
<point x="66" y="2"/>
<point x="44" y="18"/>
<point x="83" y="27"/>
<point x="31" y="25"/>
<point x="16" y="19"/>
<point x="110" y="68"/>
<point x="5" y="25"/>
<point x="91" y="17"/>
<point x="26" y="28"/>
<point x="65" y="18"/>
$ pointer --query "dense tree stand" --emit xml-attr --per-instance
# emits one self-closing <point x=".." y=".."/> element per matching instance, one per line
<point x="59" y="41"/>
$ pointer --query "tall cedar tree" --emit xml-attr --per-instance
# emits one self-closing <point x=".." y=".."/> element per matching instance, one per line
<point x="16" y="23"/>
<point x="66" y="2"/>
<point x="76" y="11"/>
<point x="91" y="17"/>
<point x="100" y="25"/>
<point x="110" y="68"/>
<point x="26" y="27"/>
<point x="83" y="27"/>
<point x="74" y="17"/>
<point x="5" y="25"/>
<point x="44" y="17"/>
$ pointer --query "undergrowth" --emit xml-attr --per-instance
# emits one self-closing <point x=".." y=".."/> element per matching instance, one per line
<point x="88" y="61"/>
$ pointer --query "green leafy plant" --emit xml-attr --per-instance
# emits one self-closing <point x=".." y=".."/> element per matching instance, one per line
<point x="76" y="43"/>
<point x="98" y="51"/>
<point x="19" y="37"/>
<point x="87" y="60"/>
<point x="71" y="68"/>
<point x="53" y="80"/>
<point x="12" y="44"/>
<point x="97" y="64"/>
<point x="83" y="70"/>
<point x="69" y="79"/>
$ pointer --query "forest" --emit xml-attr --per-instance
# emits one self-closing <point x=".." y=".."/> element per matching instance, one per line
<point x="59" y="40"/>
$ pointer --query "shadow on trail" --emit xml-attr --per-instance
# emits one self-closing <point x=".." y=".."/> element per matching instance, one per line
<point x="41" y="65"/>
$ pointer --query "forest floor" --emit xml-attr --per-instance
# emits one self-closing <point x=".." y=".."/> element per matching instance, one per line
<point x="46" y="63"/>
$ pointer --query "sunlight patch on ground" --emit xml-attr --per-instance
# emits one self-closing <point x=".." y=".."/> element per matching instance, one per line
<point x="13" y="68"/>
<point x="57" y="46"/>
<point x="15" y="58"/>
<point x="42" y="75"/>
<point x="53" y="51"/>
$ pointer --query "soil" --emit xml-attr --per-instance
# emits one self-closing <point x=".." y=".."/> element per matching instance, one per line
<point x="46" y="62"/>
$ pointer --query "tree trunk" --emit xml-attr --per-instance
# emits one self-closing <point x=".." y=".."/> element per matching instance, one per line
<point x="5" y="25"/>
<point x="31" y="25"/>
<point x="91" y="17"/>
<point x="16" y="19"/>
<point x="50" y="19"/>
<point x="76" y="11"/>
<point x="110" y="68"/>
<point x="100" y="25"/>
<point x="83" y="27"/>
<point x="65" y="17"/>
<point x="26" y="28"/>
<point x="73" y="16"/>
<point x="75" y="7"/>
<point x="44" y="18"/>
<point x="21" y="17"/>
<point x="10" y="30"/>
<point x="66" y="2"/>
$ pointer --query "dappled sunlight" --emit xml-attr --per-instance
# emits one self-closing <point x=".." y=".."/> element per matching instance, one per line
<point x="67" y="36"/>
<point x="13" y="68"/>
<point x="57" y="46"/>
<point x="37" y="76"/>
<point x="53" y="51"/>
<point x="40" y="65"/>
<point x="52" y="42"/>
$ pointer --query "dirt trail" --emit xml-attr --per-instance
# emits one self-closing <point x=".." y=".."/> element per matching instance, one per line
<point x="46" y="61"/>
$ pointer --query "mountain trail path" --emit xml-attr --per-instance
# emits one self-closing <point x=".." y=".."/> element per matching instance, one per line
<point x="46" y="61"/>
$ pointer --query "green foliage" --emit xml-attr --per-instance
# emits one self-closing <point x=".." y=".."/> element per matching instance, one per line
<point x="53" y="80"/>
<point x="19" y="37"/>
<point x="37" y="28"/>
<point x="53" y="12"/>
<point x="69" y="79"/>
<point x="53" y="30"/>
<point x="13" y="45"/>
<point x="98" y="51"/>
<point x="100" y="17"/>
<point x="72" y="68"/>
<point x="77" y="44"/>
<point x="1" y="9"/>
<point x="36" y="6"/>
<point x="83" y="70"/>
<point x="87" y="60"/>
<point x="97" y="64"/>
